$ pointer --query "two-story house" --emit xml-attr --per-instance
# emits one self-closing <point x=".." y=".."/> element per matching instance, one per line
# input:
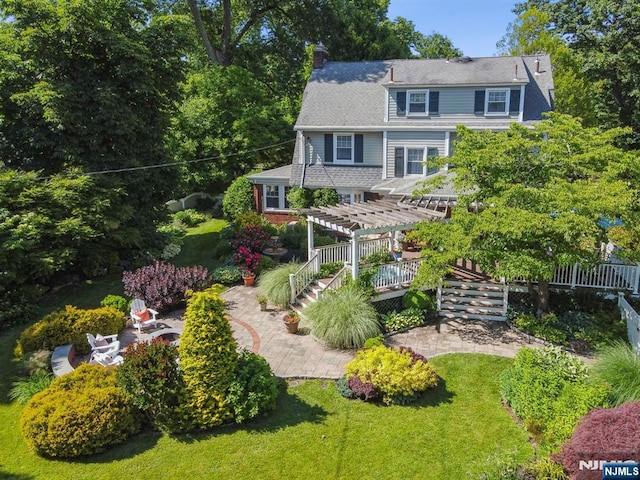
<point x="368" y="129"/>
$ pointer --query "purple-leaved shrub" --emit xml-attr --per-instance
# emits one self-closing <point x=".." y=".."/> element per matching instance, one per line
<point x="162" y="285"/>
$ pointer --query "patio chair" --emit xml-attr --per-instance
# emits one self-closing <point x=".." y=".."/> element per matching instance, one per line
<point x="141" y="316"/>
<point x="106" y="360"/>
<point x="109" y="345"/>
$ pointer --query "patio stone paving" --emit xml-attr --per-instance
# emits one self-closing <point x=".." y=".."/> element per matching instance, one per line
<point x="300" y="355"/>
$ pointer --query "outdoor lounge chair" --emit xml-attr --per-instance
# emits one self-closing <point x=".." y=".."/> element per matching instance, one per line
<point x="141" y="316"/>
<point x="109" y="345"/>
<point x="106" y="360"/>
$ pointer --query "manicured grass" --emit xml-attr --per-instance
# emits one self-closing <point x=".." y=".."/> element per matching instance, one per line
<point x="199" y="245"/>
<point x="314" y="433"/>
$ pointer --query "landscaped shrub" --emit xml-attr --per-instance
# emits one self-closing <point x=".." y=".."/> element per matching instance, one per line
<point x="343" y="318"/>
<point x="38" y="362"/>
<point x="292" y="236"/>
<point x="325" y="197"/>
<point x="208" y="359"/>
<point x="247" y="245"/>
<point x="117" y="302"/>
<point x="191" y="217"/>
<point x="420" y="299"/>
<point x="546" y="327"/>
<point x="151" y="378"/>
<point x="395" y="321"/>
<point x="374" y="341"/>
<point x="81" y="413"/>
<point x="25" y="388"/>
<point x="162" y="285"/>
<point x="264" y="263"/>
<point x="544" y="469"/>
<point x="549" y="390"/>
<point x="238" y="198"/>
<point x="253" y="219"/>
<point x="254" y="388"/>
<point x="398" y="375"/>
<point x="619" y="366"/>
<point x="611" y="434"/>
<point x="69" y="326"/>
<point x="227" y="274"/>
<point x="275" y="284"/>
<point x="299" y="198"/>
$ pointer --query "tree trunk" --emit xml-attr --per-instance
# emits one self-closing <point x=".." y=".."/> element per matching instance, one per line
<point x="542" y="300"/>
<point x="197" y="19"/>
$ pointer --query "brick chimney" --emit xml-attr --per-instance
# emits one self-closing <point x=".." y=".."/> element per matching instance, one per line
<point x="320" y="56"/>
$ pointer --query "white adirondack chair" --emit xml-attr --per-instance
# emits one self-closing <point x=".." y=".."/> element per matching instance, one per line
<point x="109" y="344"/>
<point x="106" y="360"/>
<point x="141" y="316"/>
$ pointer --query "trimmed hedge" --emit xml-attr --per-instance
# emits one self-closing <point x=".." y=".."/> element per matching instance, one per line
<point x="208" y="359"/>
<point x="81" y="413"/>
<point x="69" y="326"/>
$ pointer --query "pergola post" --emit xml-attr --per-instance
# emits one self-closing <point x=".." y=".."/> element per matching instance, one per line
<point x="355" y="256"/>
<point x="310" y="245"/>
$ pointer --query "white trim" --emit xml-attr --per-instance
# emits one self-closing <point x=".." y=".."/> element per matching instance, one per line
<point x="385" y="154"/>
<point x="352" y="193"/>
<point x="521" y="107"/>
<point x="387" y="100"/>
<point x="425" y="127"/>
<point x="425" y="167"/>
<point x="506" y="91"/>
<point x="282" y="191"/>
<point x="336" y="160"/>
<point x="426" y="103"/>
<point x="447" y="143"/>
<point x="302" y="153"/>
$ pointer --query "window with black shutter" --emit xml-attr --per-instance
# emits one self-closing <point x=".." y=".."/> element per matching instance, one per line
<point x="359" y="148"/>
<point x="401" y="103"/>
<point x="399" y="162"/>
<point x="328" y="148"/>
<point x="514" y="101"/>
<point x="479" y="102"/>
<point x="434" y="103"/>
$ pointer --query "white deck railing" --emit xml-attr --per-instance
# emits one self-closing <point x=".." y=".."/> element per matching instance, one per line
<point x="300" y="280"/>
<point x="629" y="314"/>
<point x="395" y="275"/>
<point x="604" y="276"/>
<point x="337" y="281"/>
<point x="341" y="252"/>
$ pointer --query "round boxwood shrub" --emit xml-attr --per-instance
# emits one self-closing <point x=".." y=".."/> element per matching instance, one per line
<point x="238" y="199"/>
<point x="81" y="413"/>
<point x="117" y="302"/>
<point x="254" y="388"/>
<point x="69" y="326"/>
<point x="208" y="359"/>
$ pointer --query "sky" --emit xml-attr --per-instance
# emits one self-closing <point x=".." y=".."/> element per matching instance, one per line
<point x="474" y="26"/>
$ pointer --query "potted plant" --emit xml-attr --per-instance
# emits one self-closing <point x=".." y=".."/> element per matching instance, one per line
<point x="291" y="321"/>
<point x="262" y="300"/>
<point x="397" y="253"/>
<point x="248" y="277"/>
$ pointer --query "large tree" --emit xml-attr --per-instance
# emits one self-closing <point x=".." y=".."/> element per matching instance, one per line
<point x="606" y="35"/>
<point x="88" y="84"/>
<point x="538" y="197"/>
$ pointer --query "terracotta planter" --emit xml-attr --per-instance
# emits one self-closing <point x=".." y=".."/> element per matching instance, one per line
<point x="249" y="280"/>
<point x="292" y="327"/>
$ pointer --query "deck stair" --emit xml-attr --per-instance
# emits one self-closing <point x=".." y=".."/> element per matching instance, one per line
<point x="311" y="293"/>
<point x="472" y="300"/>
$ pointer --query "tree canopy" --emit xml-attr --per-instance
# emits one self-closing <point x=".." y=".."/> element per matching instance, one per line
<point x="537" y="200"/>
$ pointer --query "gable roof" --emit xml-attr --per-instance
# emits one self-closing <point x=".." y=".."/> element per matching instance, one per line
<point x="353" y="94"/>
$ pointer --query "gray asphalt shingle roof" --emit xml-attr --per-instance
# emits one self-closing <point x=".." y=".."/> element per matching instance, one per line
<point x="333" y="176"/>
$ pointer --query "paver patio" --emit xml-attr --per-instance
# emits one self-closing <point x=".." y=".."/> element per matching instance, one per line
<point x="301" y="355"/>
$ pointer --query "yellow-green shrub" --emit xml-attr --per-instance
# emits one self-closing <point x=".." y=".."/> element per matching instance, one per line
<point x="208" y="359"/>
<point x="69" y="326"/>
<point x="81" y="413"/>
<point x="395" y="373"/>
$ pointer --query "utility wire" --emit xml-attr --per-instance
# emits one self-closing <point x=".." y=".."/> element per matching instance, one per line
<point x="175" y="164"/>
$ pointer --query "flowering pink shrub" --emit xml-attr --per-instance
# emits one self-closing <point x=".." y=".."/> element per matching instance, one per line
<point x="247" y="245"/>
<point x="163" y="285"/>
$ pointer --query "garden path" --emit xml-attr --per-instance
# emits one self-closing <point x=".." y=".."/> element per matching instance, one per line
<point x="302" y="356"/>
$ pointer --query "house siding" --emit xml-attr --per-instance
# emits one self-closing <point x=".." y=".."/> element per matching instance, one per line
<point x="371" y="148"/>
<point x="455" y="102"/>
<point x="413" y="139"/>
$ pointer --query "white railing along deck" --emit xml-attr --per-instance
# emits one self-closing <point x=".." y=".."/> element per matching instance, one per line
<point x="394" y="275"/>
<point x="337" y="281"/>
<point x="341" y="252"/>
<point x="629" y="314"/>
<point x="605" y="276"/>
<point x="300" y="280"/>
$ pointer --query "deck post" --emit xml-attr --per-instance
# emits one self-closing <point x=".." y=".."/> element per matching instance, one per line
<point x="574" y="275"/>
<point x="637" y="279"/>
<point x="355" y="257"/>
<point x="292" y="283"/>
<point x="309" y="238"/>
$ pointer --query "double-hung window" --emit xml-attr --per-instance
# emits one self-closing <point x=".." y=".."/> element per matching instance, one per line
<point x="497" y="102"/>
<point x="344" y="148"/>
<point x="346" y="197"/>
<point x="417" y="102"/>
<point x="415" y="157"/>
<point x="275" y="197"/>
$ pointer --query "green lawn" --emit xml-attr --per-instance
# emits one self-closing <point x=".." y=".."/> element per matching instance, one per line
<point x="200" y="244"/>
<point x="314" y="434"/>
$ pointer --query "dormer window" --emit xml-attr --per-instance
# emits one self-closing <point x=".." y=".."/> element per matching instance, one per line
<point x="497" y="102"/>
<point x="417" y="102"/>
<point x="344" y="148"/>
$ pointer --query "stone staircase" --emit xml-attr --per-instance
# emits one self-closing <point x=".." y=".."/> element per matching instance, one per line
<point x="310" y="294"/>
<point x="472" y="300"/>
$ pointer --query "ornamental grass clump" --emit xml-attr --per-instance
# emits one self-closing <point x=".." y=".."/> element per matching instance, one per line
<point x="343" y="318"/>
<point x="619" y="366"/>
<point x="276" y="286"/>
<point x="394" y="376"/>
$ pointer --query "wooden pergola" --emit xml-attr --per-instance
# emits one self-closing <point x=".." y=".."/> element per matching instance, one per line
<point x="377" y="217"/>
